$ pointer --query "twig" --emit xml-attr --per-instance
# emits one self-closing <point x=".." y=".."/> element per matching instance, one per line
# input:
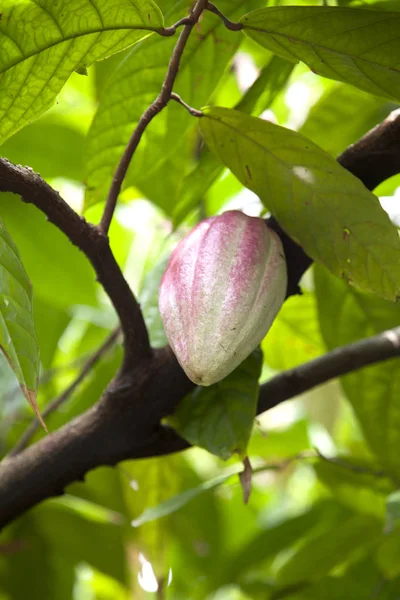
<point x="231" y="25"/>
<point x="93" y="243"/>
<point x="65" y="395"/>
<point x="169" y="31"/>
<point x="193" y="111"/>
<point x="336" y="363"/>
<point x="155" y="107"/>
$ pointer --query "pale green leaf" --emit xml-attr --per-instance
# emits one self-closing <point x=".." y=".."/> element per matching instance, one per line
<point x="18" y="339"/>
<point x="322" y="206"/>
<point x="356" y="46"/>
<point x="43" y="42"/>
<point x="294" y="337"/>
<point x="374" y="392"/>
<point x="219" y="418"/>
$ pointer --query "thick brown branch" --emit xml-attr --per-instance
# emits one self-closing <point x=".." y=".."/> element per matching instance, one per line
<point x="123" y="424"/>
<point x="155" y="107"/>
<point x="34" y="190"/>
<point x="376" y="156"/>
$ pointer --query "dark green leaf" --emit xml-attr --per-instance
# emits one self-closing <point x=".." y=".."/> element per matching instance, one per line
<point x="360" y="486"/>
<point x="276" y="538"/>
<point x="331" y="548"/>
<point x="355" y="46"/>
<point x="220" y="417"/>
<point x="42" y="44"/>
<point x="321" y="205"/>
<point x="18" y="339"/>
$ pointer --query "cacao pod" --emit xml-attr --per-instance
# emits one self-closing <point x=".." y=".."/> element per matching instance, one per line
<point x="221" y="290"/>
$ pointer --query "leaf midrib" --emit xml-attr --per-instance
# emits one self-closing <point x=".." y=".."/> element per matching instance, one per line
<point x="73" y="38"/>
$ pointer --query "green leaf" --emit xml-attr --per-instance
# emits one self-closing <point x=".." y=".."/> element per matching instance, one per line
<point x="267" y="544"/>
<point x="18" y="339"/>
<point x="47" y="571"/>
<point x="294" y="337"/>
<point x="42" y="44"/>
<point x="50" y="146"/>
<point x="355" y="46"/>
<point x="355" y="535"/>
<point x="347" y="114"/>
<point x="258" y="98"/>
<point x="388" y="554"/>
<point x="374" y="392"/>
<point x="361" y="487"/>
<point x="322" y="206"/>
<point x="174" y="503"/>
<point x="207" y="53"/>
<point x="220" y="417"/>
<point x="280" y="443"/>
<point x="60" y="273"/>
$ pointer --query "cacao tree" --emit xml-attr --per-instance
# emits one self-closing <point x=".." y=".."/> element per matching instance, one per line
<point x="199" y="285"/>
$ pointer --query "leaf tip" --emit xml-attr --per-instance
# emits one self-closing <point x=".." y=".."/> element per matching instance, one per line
<point x="30" y="395"/>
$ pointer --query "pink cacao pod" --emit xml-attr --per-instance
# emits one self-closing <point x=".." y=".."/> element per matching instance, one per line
<point x="221" y="290"/>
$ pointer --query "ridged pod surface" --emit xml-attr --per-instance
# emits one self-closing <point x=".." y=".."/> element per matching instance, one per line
<point x="221" y="290"/>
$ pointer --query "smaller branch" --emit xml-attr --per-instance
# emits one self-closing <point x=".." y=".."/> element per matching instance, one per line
<point x="193" y="111"/>
<point x="155" y="107"/>
<point x="336" y="363"/>
<point x="169" y="31"/>
<point x="66" y="394"/>
<point x="231" y="25"/>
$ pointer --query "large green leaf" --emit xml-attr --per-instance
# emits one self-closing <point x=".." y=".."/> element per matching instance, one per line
<point x="42" y="43"/>
<point x="18" y="339"/>
<point x="356" y="46"/>
<point x="374" y="392"/>
<point x="219" y="418"/>
<point x="322" y="206"/>
<point x="134" y="86"/>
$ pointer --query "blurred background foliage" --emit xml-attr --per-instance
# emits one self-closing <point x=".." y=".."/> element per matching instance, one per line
<point x="176" y="527"/>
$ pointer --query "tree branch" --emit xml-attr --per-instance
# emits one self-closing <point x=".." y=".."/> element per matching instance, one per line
<point x="155" y="107"/>
<point x="336" y="363"/>
<point x="125" y="423"/>
<point x="95" y="245"/>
